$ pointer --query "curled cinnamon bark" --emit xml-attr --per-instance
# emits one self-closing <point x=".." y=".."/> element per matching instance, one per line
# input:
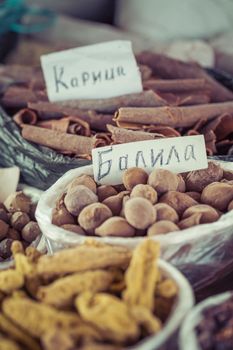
<point x="173" y="116"/>
<point x="120" y="135"/>
<point x="175" y="85"/>
<point x="25" y="116"/>
<point x="57" y="140"/>
<point x="170" y="68"/>
<point x="186" y="98"/>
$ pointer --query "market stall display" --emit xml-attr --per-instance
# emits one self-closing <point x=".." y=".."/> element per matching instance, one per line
<point x="88" y="297"/>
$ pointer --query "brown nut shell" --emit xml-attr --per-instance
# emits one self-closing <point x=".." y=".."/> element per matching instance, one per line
<point x="105" y="191"/>
<point x="19" y="220"/>
<point x="218" y="195"/>
<point x="140" y="213"/>
<point x="74" y="228"/>
<point x="18" y="201"/>
<point x="181" y="186"/>
<point x="145" y="191"/>
<point x="197" y="180"/>
<point x="194" y="195"/>
<point x="166" y="212"/>
<point x="208" y="213"/>
<point x="162" y="227"/>
<point x="163" y="180"/>
<point x="190" y="221"/>
<point x="61" y="216"/>
<point x="5" y="248"/>
<point x="178" y="201"/>
<point x="4" y="215"/>
<point x="13" y="234"/>
<point x="114" y="203"/>
<point x="93" y="216"/>
<point x="84" y="180"/>
<point x="115" y="226"/>
<point x="3" y="229"/>
<point x="134" y="176"/>
<point x="79" y="197"/>
<point x="230" y="205"/>
<point x="30" y="232"/>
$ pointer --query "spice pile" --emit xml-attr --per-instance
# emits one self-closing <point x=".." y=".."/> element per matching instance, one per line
<point x="145" y="205"/>
<point x="178" y="99"/>
<point x="89" y="297"/>
<point x="215" y="331"/>
<point x="17" y="222"/>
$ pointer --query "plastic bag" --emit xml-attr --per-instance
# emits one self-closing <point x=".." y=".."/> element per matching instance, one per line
<point x="187" y="334"/>
<point x="39" y="166"/>
<point x="202" y="252"/>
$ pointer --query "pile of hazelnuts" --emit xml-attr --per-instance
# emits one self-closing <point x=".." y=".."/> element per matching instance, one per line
<point x="17" y="222"/>
<point x="153" y="204"/>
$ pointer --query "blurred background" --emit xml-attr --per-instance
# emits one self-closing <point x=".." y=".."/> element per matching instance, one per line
<point x="191" y="30"/>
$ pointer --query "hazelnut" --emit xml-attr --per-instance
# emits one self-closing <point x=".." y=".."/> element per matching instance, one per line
<point x="4" y="215"/>
<point x="3" y="229"/>
<point x="140" y="213"/>
<point x="74" y="228"/>
<point x="105" y="191"/>
<point x="84" y="180"/>
<point x="165" y="212"/>
<point x="115" y="202"/>
<point x="134" y="176"/>
<point x="228" y="175"/>
<point x="30" y="232"/>
<point x="230" y="205"/>
<point x="181" y="186"/>
<point x="190" y="221"/>
<point x="115" y="226"/>
<point x="163" y="180"/>
<point x="194" y="195"/>
<point x="18" y="201"/>
<point x="178" y="201"/>
<point x="19" y="220"/>
<point x="145" y="191"/>
<point x="162" y="227"/>
<point x="79" y="197"/>
<point x="5" y="248"/>
<point x="197" y="180"/>
<point x="13" y="234"/>
<point x="93" y="216"/>
<point x="218" y="195"/>
<point x="208" y="213"/>
<point x="61" y="216"/>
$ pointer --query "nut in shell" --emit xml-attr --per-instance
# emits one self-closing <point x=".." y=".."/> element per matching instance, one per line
<point x="145" y="191"/>
<point x="115" y="226"/>
<point x="208" y="213"/>
<point x="140" y="213"/>
<point x="217" y="195"/>
<point x="105" y="191"/>
<point x="61" y="216"/>
<point x="19" y="220"/>
<point x="93" y="216"/>
<point x="74" y="228"/>
<point x="84" y="180"/>
<point x="18" y="201"/>
<point x="190" y="221"/>
<point x="197" y="180"/>
<point x="162" y="227"/>
<point x="134" y="176"/>
<point x="166" y="212"/>
<point x="178" y="201"/>
<point x="30" y="232"/>
<point x="163" y="180"/>
<point x="114" y="203"/>
<point x="79" y="197"/>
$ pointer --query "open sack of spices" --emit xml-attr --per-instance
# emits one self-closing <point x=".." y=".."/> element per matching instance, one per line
<point x="209" y="325"/>
<point x="92" y="297"/>
<point x="190" y="214"/>
<point x="48" y="138"/>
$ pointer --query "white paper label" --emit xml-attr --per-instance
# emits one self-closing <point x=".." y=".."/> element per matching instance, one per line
<point x="90" y="72"/>
<point x="178" y="154"/>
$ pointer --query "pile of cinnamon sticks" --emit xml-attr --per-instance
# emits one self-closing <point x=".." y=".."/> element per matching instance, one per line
<point x="178" y="99"/>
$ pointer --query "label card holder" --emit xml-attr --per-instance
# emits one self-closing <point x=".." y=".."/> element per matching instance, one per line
<point x="178" y="154"/>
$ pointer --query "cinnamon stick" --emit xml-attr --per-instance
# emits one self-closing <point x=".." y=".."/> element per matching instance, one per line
<point x="25" y="116"/>
<point x="110" y="105"/>
<point x="120" y="135"/>
<point x="186" y="98"/>
<point x="170" y="68"/>
<point x="71" y="125"/>
<point x="18" y="97"/>
<point x="58" y="140"/>
<point x="173" y="116"/>
<point x="52" y="110"/>
<point x="175" y="85"/>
